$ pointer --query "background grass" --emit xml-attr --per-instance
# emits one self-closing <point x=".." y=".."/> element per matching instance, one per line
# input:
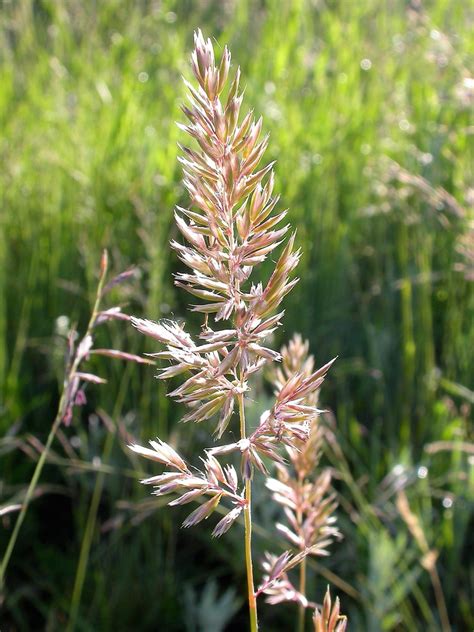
<point x="369" y="106"/>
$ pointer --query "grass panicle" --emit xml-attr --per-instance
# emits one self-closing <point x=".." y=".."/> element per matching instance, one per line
<point x="231" y="227"/>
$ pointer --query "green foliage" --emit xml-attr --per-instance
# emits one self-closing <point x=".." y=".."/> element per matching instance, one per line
<point x="369" y="111"/>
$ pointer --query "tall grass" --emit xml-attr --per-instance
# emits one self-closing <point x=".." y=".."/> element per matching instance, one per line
<point x="370" y="116"/>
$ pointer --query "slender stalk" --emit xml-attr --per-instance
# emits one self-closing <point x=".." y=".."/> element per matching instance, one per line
<point x="429" y="556"/>
<point x="29" y="495"/>
<point x="92" y="515"/>
<point x="302" y="589"/>
<point x="440" y="601"/>
<point x="52" y="433"/>
<point x="302" y="585"/>
<point x="248" y="558"/>
<point x="87" y="538"/>
<point x="248" y="532"/>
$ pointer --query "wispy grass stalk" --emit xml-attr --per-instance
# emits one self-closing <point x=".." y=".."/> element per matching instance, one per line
<point x="91" y="521"/>
<point x="230" y="228"/>
<point x="88" y="535"/>
<point x="66" y="402"/>
<point x="248" y="530"/>
<point x="302" y="489"/>
<point x="72" y="393"/>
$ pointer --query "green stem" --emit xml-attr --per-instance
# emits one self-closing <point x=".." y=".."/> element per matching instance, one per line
<point x="302" y="589"/>
<point x="54" y="428"/>
<point x="248" y="533"/>
<point x="29" y="496"/>
<point x="248" y="558"/>
<point x="302" y="586"/>
<point x="88" y="537"/>
<point x="92" y="515"/>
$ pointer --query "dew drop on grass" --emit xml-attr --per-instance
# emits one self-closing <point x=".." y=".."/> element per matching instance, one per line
<point x="398" y="469"/>
<point x="404" y="125"/>
<point x="62" y="325"/>
<point x="422" y="472"/>
<point x="426" y="158"/>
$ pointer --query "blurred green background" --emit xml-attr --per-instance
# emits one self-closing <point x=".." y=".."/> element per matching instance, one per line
<point x="369" y="105"/>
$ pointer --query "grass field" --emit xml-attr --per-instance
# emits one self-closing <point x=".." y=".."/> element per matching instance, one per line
<point x="369" y="105"/>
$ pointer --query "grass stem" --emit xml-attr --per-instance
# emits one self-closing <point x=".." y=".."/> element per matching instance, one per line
<point x="54" y="428"/>
<point x="88" y="537"/>
<point x="248" y="532"/>
<point x="440" y="601"/>
<point x="302" y="589"/>
<point x="29" y="495"/>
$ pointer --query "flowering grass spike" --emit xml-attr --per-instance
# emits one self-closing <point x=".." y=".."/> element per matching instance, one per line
<point x="230" y="227"/>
